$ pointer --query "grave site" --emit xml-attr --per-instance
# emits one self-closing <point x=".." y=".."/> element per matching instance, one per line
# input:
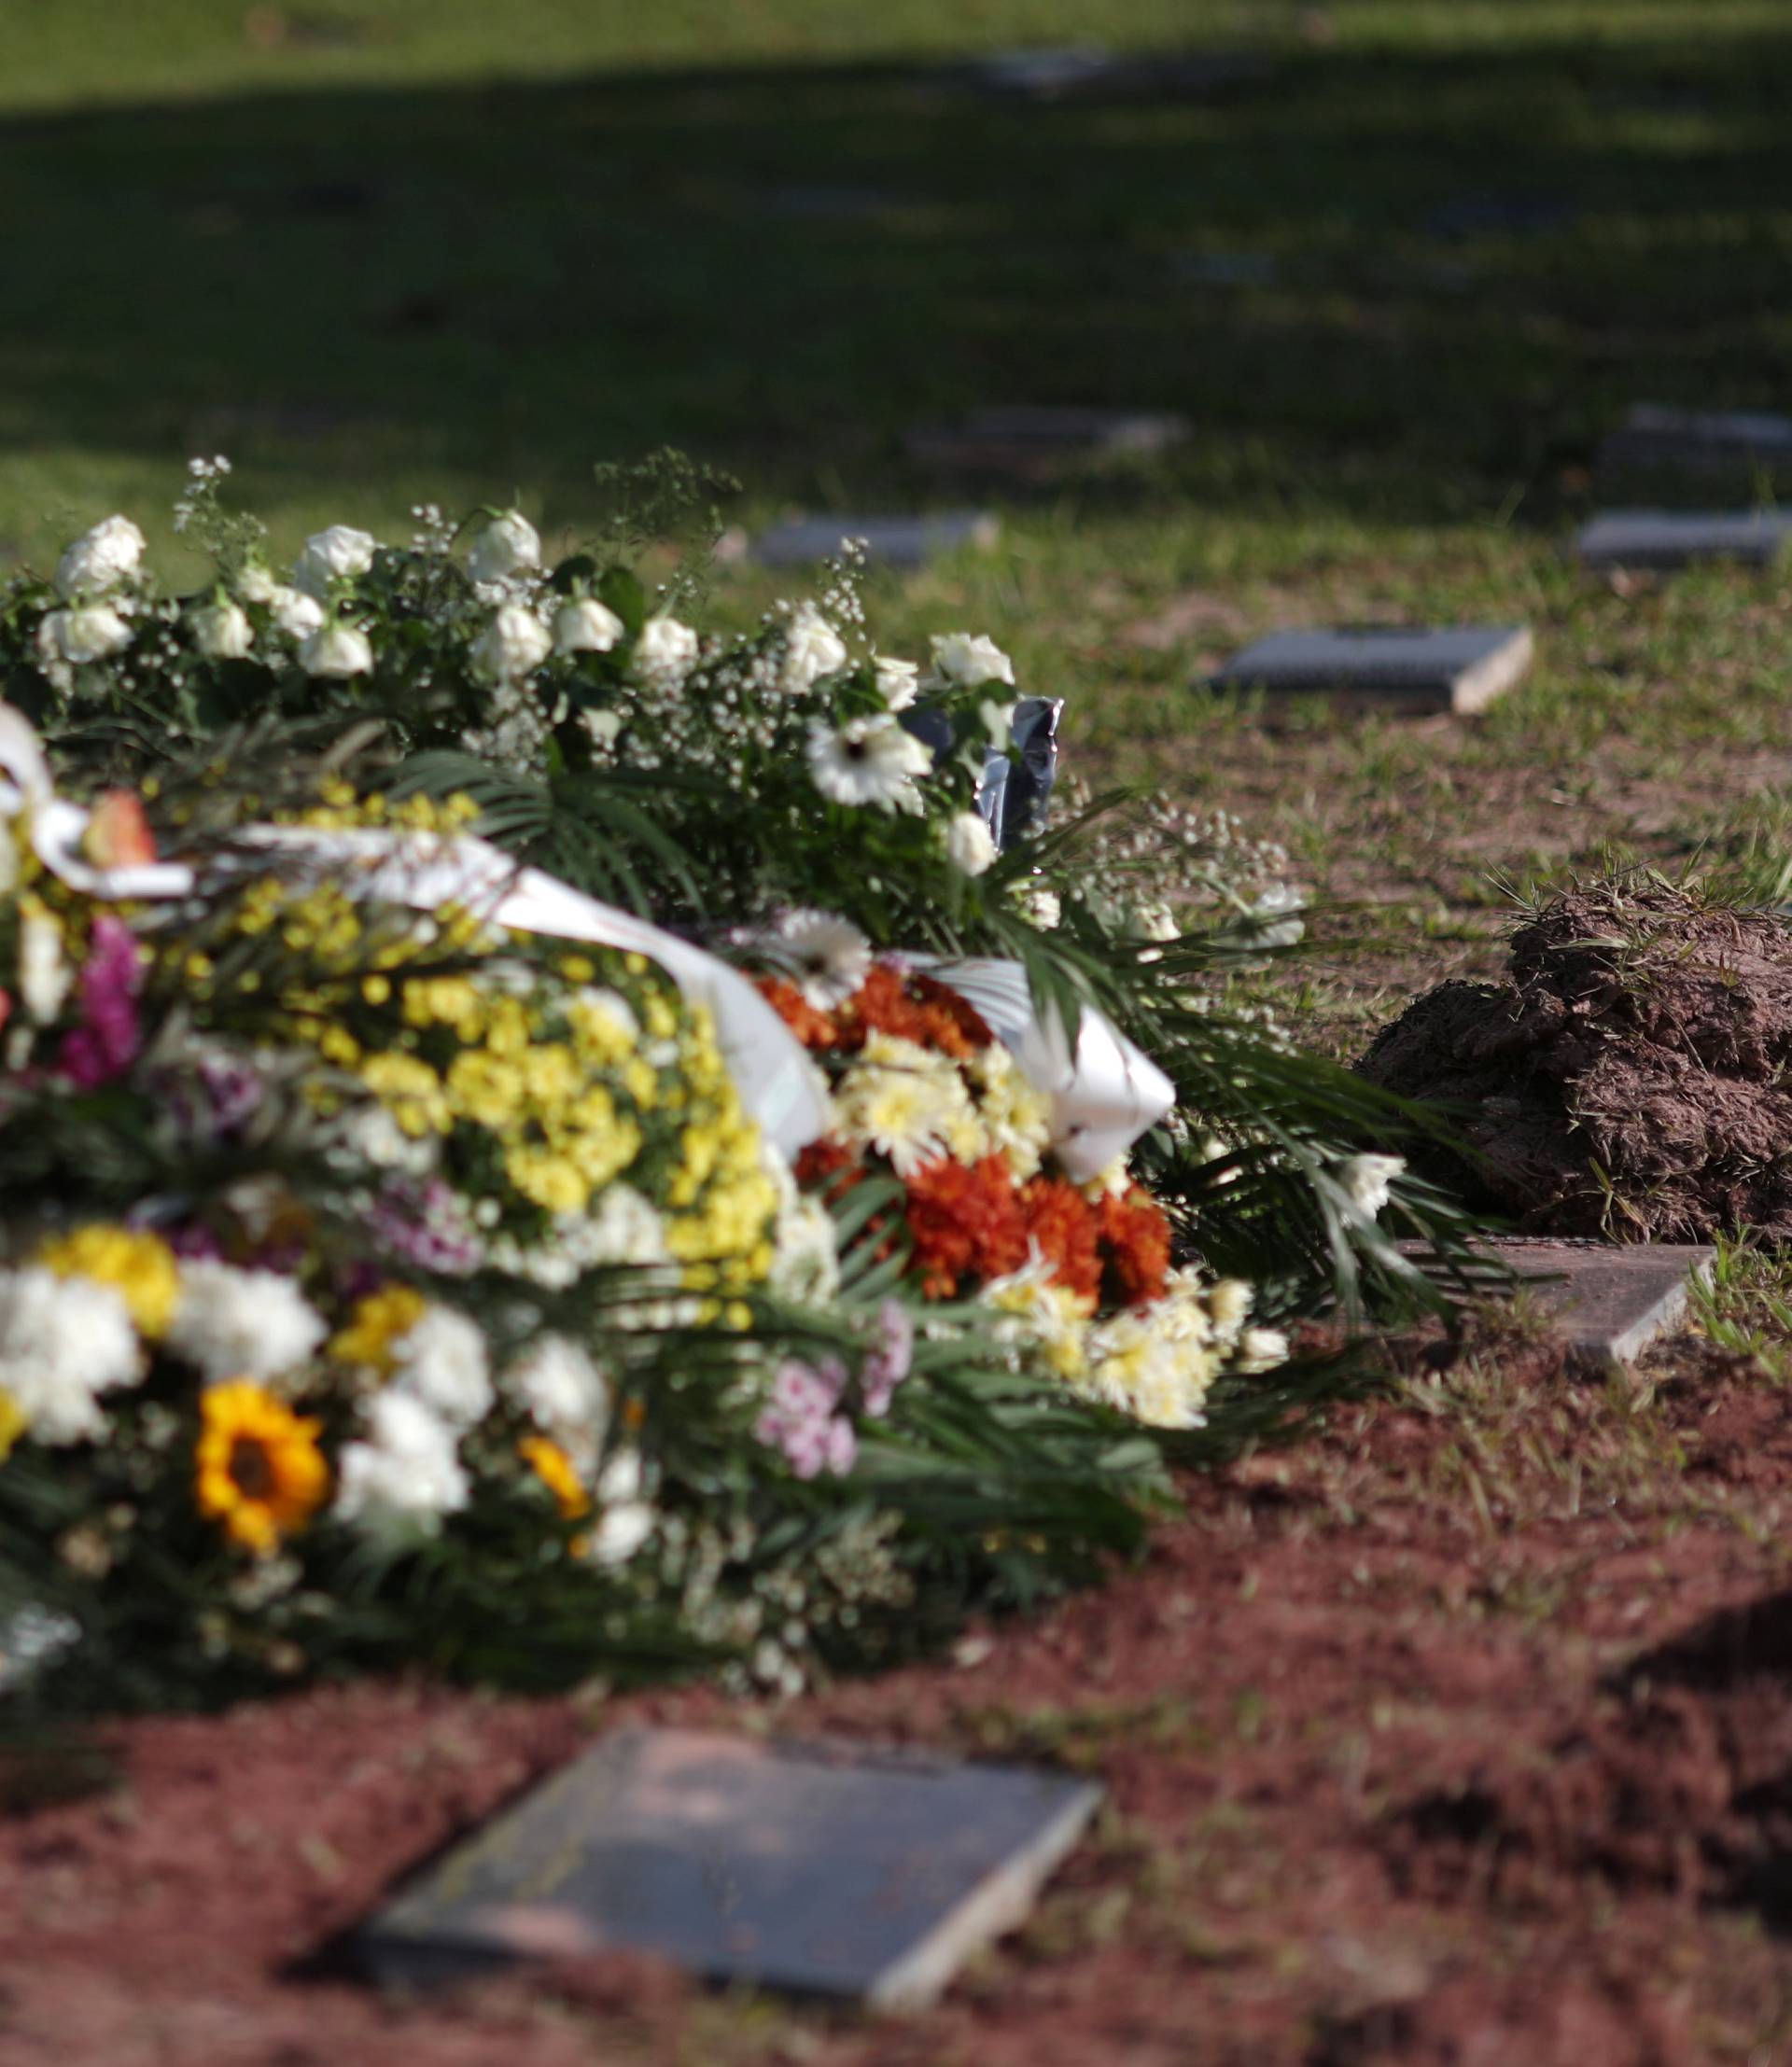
<point x="895" y="1018"/>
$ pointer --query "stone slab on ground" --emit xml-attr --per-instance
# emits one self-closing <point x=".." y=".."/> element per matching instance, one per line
<point x="1604" y="1302"/>
<point x="823" y="1867"/>
<point x="889" y="542"/>
<point x="1694" y="441"/>
<point x="1460" y="668"/>
<point x="1677" y="538"/>
<point x="1027" y="439"/>
<point x="1090" y="71"/>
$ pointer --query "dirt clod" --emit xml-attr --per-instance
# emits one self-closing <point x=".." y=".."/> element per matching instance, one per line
<point x="1628" y="1077"/>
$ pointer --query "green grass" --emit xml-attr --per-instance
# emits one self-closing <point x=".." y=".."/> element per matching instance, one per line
<point x="387" y="250"/>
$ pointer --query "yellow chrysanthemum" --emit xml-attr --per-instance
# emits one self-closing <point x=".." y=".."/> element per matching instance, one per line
<point x="379" y="1320"/>
<point x="260" y="1472"/>
<point x="139" y="1267"/>
<point x="13" y="1423"/>
<point x="554" y="1469"/>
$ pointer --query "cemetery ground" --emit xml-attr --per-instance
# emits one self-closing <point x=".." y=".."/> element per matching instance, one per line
<point x="1451" y="1728"/>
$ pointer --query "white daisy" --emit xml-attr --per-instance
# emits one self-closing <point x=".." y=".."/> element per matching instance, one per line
<point x="868" y="761"/>
<point x="826" y="955"/>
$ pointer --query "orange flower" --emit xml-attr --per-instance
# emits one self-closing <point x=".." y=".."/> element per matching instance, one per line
<point x="260" y="1471"/>
<point x="1134" y="1235"/>
<point x="1060" y="1222"/>
<point x="965" y="1222"/>
<point x="813" y="1028"/>
<point x="118" y="833"/>
<point x="554" y="1467"/>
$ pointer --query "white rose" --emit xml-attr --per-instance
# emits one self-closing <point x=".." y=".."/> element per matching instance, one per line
<point x="585" y="626"/>
<point x="998" y="719"/>
<point x="969" y="843"/>
<point x="255" y="584"/>
<point x="666" y="648"/>
<point x="296" y="615"/>
<point x="1368" y="1180"/>
<point x="222" y="631"/>
<point x="899" y="681"/>
<point x="813" y="648"/>
<point x="89" y="632"/>
<point x="337" y="555"/>
<point x="337" y="651"/>
<point x="111" y="552"/>
<point x="507" y="546"/>
<point x="513" y="644"/>
<point x="965" y="662"/>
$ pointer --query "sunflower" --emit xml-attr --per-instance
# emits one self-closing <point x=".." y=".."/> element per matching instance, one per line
<point x="260" y="1471"/>
<point x="554" y="1469"/>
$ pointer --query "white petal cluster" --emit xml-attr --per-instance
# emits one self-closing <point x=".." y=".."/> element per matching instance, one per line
<point x="584" y="625"/>
<point x="222" y="631"/>
<point x="513" y="645"/>
<point x="338" y="554"/>
<point x="907" y="1102"/>
<point x="626" y="1518"/>
<point x="826" y="954"/>
<point x="898" y="681"/>
<point x="101" y="559"/>
<point x="45" y="973"/>
<point x="88" y="632"/>
<point x="969" y="845"/>
<point x="963" y="661"/>
<point x="666" y="652"/>
<point x="560" y="1384"/>
<point x="407" y="1472"/>
<point x="296" y="614"/>
<point x="868" y="761"/>
<point x="1368" y="1180"/>
<point x="63" y="1341"/>
<point x="336" y="652"/>
<point x="441" y="1362"/>
<point x="812" y="648"/>
<point x="509" y="545"/>
<point x="234" y="1323"/>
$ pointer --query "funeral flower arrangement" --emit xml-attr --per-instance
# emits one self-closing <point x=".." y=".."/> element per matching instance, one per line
<point x="402" y="1255"/>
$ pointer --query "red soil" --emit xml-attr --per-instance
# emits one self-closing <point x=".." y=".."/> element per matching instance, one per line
<point x="1459" y="1735"/>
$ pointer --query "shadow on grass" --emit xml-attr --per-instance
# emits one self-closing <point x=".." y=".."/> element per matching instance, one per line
<point x="1405" y="286"/>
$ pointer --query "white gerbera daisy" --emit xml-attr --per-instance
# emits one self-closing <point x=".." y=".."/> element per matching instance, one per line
<point x="868" y="761"/>
<point x="826" y="956"/>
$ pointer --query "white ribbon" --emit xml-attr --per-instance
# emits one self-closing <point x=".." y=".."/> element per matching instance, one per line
<point x="1103" y="1097"/>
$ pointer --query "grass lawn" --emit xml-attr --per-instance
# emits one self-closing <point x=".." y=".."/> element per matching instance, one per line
<point x="420" y="249"/>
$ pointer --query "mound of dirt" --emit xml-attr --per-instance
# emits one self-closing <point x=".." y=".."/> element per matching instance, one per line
<point x="1627" y="1079"/>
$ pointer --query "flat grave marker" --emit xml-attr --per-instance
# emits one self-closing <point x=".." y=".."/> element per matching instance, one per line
<point x="1677" y="538"/>
<point x="1604" y="1302"/>
<point x="1698" y="440"/>
<point x="820" y="1868"/>
<point x="1038" y="439"/>
<point x="1090" y="71"/>
<point x="1460" y="668"/>
<point x="889" y="541"/>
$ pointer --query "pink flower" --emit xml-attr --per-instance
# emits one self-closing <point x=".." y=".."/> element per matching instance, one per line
<point x="801" y="1421"/>
<point x="104" y="1046"/>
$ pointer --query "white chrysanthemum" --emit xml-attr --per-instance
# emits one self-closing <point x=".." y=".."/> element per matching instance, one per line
<point x="442" y="1361"/>
<point x="1016" y="1115"/>
<point x="560" y="1384"/>
<point x="806" y="1258"/>
<point x="899" y="681"/>
<point x="1042" y="1316"/>
<point x="625" y="1519"/>
<point x="406" y="1475"/>
<point x="585" y="626"/>
<point x="45" y="973"/>
<point x="101" y="559"/>
<point x="666" y="651"/>
<point x="222" y="631"/>
<point x="813" y="648"/>
<point x="1042" y="906"/>
<point x="88" y="632"/>
<point x="1368" y="1180"/>
<point x="337" y="651"/>
<point x="234" y="1323"/>
<point x="338" y="554"/>
<point x="969" y="845"/>
<point x="1260" y="1350"/>
<point x="907" y="1102"/>
<point x="372" y="1134"/>
<point x="965" y="662"/>
<point x="1155" y="1363"/>
<point x="509" y="545"/>
<point x="868" y="761"/>
<point x="63" y="1342"/>
<point x="296" y="614"/>
<point x="1228" y="1304"/>
<point x="513" y="645"/>
<point x="826" y="955"/>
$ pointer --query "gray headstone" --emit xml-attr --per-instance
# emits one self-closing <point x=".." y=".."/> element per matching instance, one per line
<point x="826" y="1869"/>
<point x="1605" y="1303"/>
<point x="1675" y="539"/>
<point x="1033" y="440"/>
<point x="1090" y="71"/>
<point x="889" y="541"/>
<point x="1462" y="668"/>
<point x="1694" y="441"/>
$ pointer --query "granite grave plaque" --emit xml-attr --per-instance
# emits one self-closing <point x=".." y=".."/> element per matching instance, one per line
<point x="1694" y="441"/>
<point x="889" y="541"/>
<point x="1035" y="440"/>
<point x="1090" y="71"/>
<point x="1603" y="1302"/>
<point x="1676" y="538"/>
<point x="826" y="1869"/>
<point x="1461" y="668"/>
